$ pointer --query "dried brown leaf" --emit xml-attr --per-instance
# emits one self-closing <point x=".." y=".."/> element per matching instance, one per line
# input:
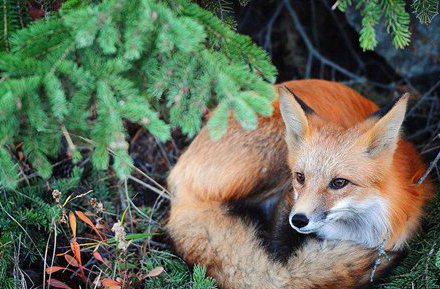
<point x="110" y="283"/>
<point x="155" y="272"/>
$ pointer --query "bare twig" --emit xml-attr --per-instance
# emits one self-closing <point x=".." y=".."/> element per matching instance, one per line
<point x="343" y="34"/>
<point x="308" y="43"/>
<point x="128" y="200"/>
<point x="63" y="56"/>
<point x="163" y="152"/>
<point x="46" y="251"/>
<point x="19" y="274"/>
<point x="268" y="40"/>
<point x="335" y="5"/>
<point x="424" y="97"/>
<point x="432" y="165"/>
<point x="162" y="193"/>
<point x="66" y="135"/>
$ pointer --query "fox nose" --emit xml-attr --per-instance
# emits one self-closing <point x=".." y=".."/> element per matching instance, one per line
<point x="299" y="220"/>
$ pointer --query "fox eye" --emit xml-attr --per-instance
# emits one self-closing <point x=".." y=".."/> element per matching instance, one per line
<point x="300" y="178"/>
<point x="338" y="183"/>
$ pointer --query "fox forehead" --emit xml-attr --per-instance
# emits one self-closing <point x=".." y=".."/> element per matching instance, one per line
<point x="332" y="152"/>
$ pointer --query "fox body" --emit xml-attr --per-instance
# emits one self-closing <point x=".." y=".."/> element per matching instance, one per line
<point x="341" y="169"/>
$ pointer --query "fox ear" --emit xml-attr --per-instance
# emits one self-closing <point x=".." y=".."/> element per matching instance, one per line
<point x="384" y="135"/>
<point x="294" y="110"/>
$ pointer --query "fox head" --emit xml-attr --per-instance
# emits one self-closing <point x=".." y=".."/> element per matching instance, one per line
<point x="338" y="173"/>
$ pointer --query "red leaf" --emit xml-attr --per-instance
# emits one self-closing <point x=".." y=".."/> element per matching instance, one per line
<point x="86" y="220"/>
<point x="71" y="260"/>
<point x="54" y="269"/>
<point x="57" y="284"/>
<point x="72" y="221"/>
<point x="77" y="254"/>
<point x="76" y="251"/>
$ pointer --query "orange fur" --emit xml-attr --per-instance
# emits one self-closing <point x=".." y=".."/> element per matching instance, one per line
<point x="250" y="164"/>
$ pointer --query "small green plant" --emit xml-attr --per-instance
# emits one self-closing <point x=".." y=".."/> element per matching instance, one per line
<point x="395" y="15"/>
<point x="174" y="273"/>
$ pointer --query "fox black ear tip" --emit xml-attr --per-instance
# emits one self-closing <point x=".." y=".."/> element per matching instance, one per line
<point x="384" y="110"/>
<point x="283" y="90"/>
<point x="288" y="93"/>
<point x="406" y="96"/>
<point x="402" y="97"/>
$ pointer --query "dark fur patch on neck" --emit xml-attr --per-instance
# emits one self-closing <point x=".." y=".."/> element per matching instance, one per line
<point x="284" y="239"/>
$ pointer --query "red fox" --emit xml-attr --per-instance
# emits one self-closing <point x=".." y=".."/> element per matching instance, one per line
<point x="343" y="174"/>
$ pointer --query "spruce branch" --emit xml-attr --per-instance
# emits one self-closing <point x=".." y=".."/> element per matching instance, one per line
<point x="425" y="10"/>
<point x="394" y="15"/>
<point x="91" y="68"/>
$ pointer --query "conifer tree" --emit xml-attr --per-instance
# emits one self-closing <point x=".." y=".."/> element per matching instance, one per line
<point x="80" y="74"/>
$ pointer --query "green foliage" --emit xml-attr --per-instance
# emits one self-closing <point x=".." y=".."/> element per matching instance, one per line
<point x="437" y="259"/>
<point x="394" y="15"/>
<point x="397" y="22"/>
<point x="200" y="280"/>
<point x="425" y="10"/>
<point x="85" y="72"/>
<point x="370" y="17"/>
<point x="223" y="9"/>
